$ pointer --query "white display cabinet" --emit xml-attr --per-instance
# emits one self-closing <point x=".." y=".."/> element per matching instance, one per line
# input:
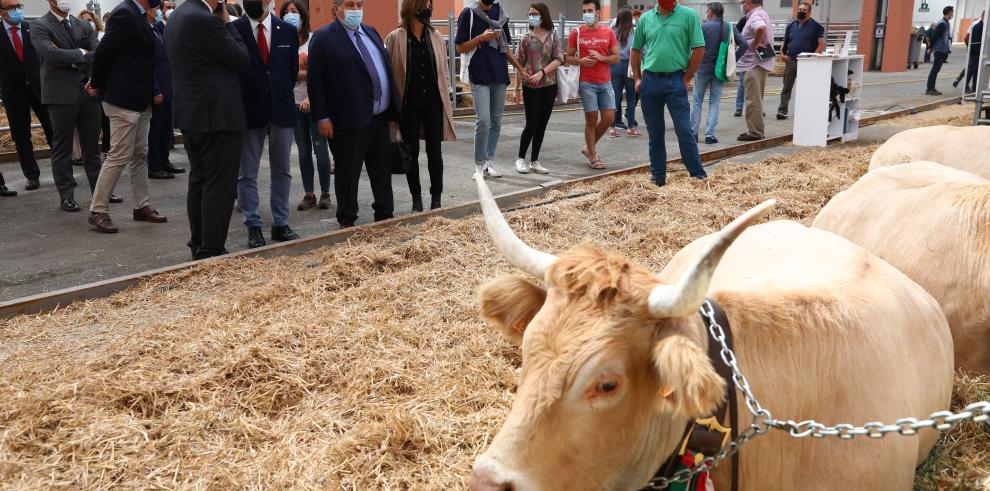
<point x="815" y="123"/>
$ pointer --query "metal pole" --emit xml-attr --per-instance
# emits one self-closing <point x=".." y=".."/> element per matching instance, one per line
<point x="451" y="58"/>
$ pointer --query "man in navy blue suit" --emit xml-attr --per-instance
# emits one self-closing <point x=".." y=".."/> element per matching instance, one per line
<point x="270" y="109"/>
<point x="161" y="135"/>
<point x="353" y="97"/>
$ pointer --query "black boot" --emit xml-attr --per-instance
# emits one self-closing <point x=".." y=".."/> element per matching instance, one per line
<point x="417" y="204"/>
<point x="435" y="202"/>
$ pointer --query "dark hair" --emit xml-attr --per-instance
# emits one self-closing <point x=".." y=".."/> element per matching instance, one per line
<point x="948" y="9"/>
<point x="303" y="17"/>
<point x="235" y="9"/>
<point x="545" y="21"/>
<point x="598" y="3"/>
<point x="717" y="9"/>
<point x="806" y="4"/>
<point x="623" y="25"/>
<point x="408" y="12"/>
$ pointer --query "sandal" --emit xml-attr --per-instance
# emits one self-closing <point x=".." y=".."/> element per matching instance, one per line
<point x="597" y="164"/>
<point x="614" y="133"/>
<point x="585" y="152"/>
<point x="632" y="132"/>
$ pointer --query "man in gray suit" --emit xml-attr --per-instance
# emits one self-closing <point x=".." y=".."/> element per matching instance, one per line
<point x="65" y="47"/>
<point x="206" y="53"/>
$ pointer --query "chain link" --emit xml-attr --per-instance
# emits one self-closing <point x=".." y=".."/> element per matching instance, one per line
<point x="978" y="412"/>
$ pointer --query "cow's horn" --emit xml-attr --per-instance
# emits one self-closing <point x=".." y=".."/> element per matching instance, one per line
<point x="512" y="248"/>
<point x="686" y="297"/>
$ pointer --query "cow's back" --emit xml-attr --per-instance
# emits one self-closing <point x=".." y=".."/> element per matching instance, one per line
<point x="933" y="223"/>
<point x="825" y="330"/>
<point x="966" y="148"/>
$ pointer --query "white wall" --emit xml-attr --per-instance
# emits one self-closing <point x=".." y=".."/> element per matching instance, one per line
<point x="37" y="8"/>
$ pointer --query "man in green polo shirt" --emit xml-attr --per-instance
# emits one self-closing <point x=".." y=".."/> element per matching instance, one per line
<point x="671" y="36"/>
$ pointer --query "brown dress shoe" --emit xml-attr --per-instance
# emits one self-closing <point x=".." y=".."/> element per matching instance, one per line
<point x="308" y="201"/>
<point x="325" y="201"/>
<point x="101" y="223"/>
<point x="146" y="214"/>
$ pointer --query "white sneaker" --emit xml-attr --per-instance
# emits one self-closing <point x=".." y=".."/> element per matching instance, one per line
<point x="478" y="173"/>
<point x="491" y="171"/>
<point x="521" y="166"/>
<point x="536" y="167"/>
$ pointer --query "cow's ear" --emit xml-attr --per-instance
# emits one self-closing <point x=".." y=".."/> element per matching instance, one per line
<point x="687" y="378"/>
<point x="509" y="303"/>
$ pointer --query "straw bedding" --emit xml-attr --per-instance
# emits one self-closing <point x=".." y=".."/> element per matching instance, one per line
<point x="7" y="143"/>
<point x="358" y="366"/>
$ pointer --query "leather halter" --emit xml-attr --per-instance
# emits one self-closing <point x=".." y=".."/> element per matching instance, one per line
<point x="702" y="439"/>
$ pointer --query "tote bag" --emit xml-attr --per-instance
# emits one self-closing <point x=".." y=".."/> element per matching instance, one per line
<point x="726" y="57"/>
<point x="465" y="74"/>
<point x="570" y="77"/>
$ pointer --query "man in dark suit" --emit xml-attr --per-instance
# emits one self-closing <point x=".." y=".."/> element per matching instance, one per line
<point x="20" y="84"/>
<point x="206" y="53"/>
<point x="65" y="48"/>
<point x="124" y="74"/>
<point x="161" y="136"/>
<point x="271" y="111"/>
<point x="353" y="96"/>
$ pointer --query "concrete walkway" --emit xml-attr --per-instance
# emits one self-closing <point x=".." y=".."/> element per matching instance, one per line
<point x="43" y="248"/>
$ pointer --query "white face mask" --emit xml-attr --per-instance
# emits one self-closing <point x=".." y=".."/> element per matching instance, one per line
<point x="65" y="5"/>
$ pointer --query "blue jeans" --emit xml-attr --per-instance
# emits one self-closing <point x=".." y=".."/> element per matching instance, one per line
<point x="657" y="91"/>
<point x="701" y="85"/>
<point x="596" y="97"/>
<point x="309" y="141"/>
<point x="740" y="91"/>
<point x="620" y="83"/>
<point x="489" y="101"/>
<point x="279" y="150"/>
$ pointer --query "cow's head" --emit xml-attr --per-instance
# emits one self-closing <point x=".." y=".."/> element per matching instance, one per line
<point x="612" y="370"/>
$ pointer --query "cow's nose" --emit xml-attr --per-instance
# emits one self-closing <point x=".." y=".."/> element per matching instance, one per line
<point x="487" y="479"/>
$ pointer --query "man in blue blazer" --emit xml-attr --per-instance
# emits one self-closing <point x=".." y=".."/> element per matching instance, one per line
<point x="353" y="96"/>
<point x="270" y="110"/>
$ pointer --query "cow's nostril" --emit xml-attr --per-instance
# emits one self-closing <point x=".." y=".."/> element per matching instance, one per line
<point x="508" y="487"/>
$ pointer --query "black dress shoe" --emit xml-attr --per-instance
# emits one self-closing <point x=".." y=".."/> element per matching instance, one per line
<point x="417" y="205"/>
<point x="208" y="253"/>
<point x="746" y="137"/>
<point x="283" y="233"/>
<point x="345" y="223"/>
<point x="435" y="203"/>
<point x="6" y="193"/>
<point x="171" y="169"/>
<point x="32" y="184"/>
<point x="69" y="204"/>
<point x="255" y="237"/>
<point x="160" y="174"/>
<point x="116" y="199"/>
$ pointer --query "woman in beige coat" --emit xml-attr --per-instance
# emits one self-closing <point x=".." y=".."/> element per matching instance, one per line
<point x="419" y="63"/>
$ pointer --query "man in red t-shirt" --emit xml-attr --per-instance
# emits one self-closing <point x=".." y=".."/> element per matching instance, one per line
<point x="598" y="50"/>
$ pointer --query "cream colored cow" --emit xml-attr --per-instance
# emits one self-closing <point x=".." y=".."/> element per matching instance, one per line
<point x="615" y="363"/>
<point x="966" y="148"/>
<point x="932" y="222"/>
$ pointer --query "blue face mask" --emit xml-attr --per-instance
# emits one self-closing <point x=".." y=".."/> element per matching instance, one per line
<point x="15" y="17"/>
<point x="158" y="16"/>
<point x="535" y="20"/>
<point x="352" y="19"/>
<point x="293" y="18"/>
<point x="589" y="18"/>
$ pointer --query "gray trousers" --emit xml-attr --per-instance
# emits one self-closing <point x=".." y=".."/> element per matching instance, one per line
<point x="83" y="116"/>
<point x="279" y="148"/>
<point x="128" y="148"/>
<point x="790" y="74"/>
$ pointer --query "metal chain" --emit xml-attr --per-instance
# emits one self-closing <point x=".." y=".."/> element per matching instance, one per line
<point x="978" y="412"/>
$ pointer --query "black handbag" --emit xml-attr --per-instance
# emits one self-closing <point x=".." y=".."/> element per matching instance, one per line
<point x="401" y="158"/>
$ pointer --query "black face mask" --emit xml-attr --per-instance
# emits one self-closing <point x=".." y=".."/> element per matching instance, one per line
<point x="424" y="15"/>
<point x="802" y="15"/>
<point x="254" y="8"/>
<point x="487" y="2"/>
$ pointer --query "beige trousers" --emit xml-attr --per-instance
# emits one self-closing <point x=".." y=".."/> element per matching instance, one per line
<point x="128" y="148"/>
<point x="755" y="83"/>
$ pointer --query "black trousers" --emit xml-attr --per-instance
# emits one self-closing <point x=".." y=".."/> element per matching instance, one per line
<point x="974" y="66"/>
<point x="160" y="136"/>
<point x="370" y="147"/>
<point x="83" y="116"/>
<point x="18" y="104"/>
<point x="430" y="120"/>
<point x="539" y="106"/>
<point x="104" y="132"/>
<point x="214" y="160"/>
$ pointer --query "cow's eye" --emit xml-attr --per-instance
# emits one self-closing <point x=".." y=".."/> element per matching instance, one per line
<point x="607" y="386"/>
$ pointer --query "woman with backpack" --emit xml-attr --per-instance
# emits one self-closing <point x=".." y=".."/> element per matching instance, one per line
<point x="540" y="55"/>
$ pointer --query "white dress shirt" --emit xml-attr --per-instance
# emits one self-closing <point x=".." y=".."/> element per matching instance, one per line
<point x="267" y="25"/>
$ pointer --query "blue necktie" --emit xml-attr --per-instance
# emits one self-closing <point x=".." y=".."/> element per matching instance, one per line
<point x="376" y="84"/>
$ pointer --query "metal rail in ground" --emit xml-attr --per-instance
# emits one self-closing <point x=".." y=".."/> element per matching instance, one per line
<point x="51" y="300"/>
